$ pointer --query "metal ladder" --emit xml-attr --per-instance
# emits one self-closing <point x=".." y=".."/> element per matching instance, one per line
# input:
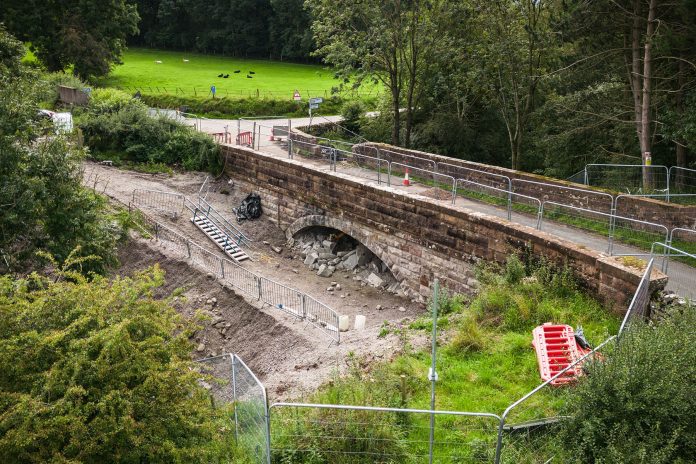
<point x="222" y="240"/>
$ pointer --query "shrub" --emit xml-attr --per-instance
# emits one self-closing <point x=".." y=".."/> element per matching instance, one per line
<point x="100" y="372"/>
<point x="117" y="126"/>
<point x="638" y="406"/>
<point x="469" y="336"/>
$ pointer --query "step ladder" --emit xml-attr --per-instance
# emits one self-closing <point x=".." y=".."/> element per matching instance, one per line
<point x="556" y="349"/>
<point x="224" y="241"/>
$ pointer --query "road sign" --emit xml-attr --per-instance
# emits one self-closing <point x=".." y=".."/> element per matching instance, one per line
<point x="296" y="96"/>
<point x="313" y="106"/>
<point x="316" y="100"/>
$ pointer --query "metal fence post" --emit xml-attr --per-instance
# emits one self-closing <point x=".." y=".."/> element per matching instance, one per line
<point x="304" y="306"/>
<point x="222" y="268"/>
<point x="268" y="425"/>
<point x="612" y="225"/>
<point x="234" y="397"/>
<point x="258" y="284"/>
<point x="253" y="136"/>
<point x="188" y="249"/>
<point x="433" y="373"/>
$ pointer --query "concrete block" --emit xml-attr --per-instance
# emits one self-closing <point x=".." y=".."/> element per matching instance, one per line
<point x="359" y="322"/>
<point x="343" y="323"/>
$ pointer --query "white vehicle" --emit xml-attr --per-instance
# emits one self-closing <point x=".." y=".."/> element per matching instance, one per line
<point x="63" y="122"/>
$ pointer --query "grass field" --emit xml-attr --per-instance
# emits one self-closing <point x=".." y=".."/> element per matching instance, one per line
<point x="272" y="79"/>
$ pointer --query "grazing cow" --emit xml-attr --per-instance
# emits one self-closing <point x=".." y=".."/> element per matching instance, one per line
<point x="237" y="71"/>
<point x="225" y="76"/>
<point x="220" y="75"/>
<point x="250" y="77"/>
<point x="252" y="72"/>
<point x="158" y="62"/>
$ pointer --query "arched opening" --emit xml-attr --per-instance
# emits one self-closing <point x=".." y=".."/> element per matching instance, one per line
<point x="328" y="251"/>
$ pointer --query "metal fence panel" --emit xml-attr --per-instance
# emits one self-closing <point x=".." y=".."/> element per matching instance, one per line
<point x="240" y="278"/>
<point x="281" y="297"/>
<point x="639" y="308"/>
<point x="207" y="260"/>
<point x="628" y="178"/>
<point x="525" y="427"/>
<point x="582" y="218"/>
<point x="682" y="180"/>
<point x="232" y="382"/>
<point x="581" y="198"/>
<point x="322" y="317"/>
<point x="164" y="202"/>
<point x="427" y="177"/>
<point x="352" y="434"/>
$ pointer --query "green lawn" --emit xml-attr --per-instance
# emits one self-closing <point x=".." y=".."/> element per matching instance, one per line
<point x="272" y="79"/>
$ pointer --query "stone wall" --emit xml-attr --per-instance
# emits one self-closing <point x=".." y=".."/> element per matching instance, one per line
<point x="417" y="238"/>
<point x="559" y="191"/>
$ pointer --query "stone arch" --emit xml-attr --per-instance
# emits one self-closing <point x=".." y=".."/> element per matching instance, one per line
<point x="349" y="228"/>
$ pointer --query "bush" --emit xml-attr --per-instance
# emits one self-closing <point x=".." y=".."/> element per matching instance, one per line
<point x="638" y="406"/>
<point x="100" y="372"/>
<point x="119" y="127"/>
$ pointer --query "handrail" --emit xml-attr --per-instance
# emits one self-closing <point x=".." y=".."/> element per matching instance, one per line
<point x="225" y="225"/>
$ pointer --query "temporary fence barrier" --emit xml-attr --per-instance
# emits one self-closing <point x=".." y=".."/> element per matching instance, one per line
<point x="348" y="434"/>
<point x="449" y="184"/>
<point x="639" y="308"/>
<point x="629" y="231"/>
<point x="630" y="177"/>
<point x="244" y="138"/>
<point x="160" y="201"/>
<point x="498" y="181"/>
<point x="682" y="180"/>
<point x="204" y="190"/>
<point x="521" y="438"/>
<point x="582" y="198"/>
<point x="232" y="383"/>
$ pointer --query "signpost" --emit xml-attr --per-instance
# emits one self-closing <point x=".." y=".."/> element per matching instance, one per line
<point x="296" y="96"/>
<point x="314" y="105"/>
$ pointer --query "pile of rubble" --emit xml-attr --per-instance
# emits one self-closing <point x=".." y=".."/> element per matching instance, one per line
<point x="328" y="253"/>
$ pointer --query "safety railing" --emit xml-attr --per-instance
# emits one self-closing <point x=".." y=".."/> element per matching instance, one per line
<point x="513" y="202"/>
<point x="232" y="383"/>
<point x="681" y="244"/>
<point x="219" y="220"/>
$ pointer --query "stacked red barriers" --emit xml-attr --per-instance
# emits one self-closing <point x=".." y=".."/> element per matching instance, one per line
<point x="556" y="349"/>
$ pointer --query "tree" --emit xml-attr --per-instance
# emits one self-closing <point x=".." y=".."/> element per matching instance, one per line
<point x="515" y="48"/>
<point x="88" y="35"/>
<point x="42" y="201"/>
<point x="381" y="40"/>
<point x="99" y="371"/>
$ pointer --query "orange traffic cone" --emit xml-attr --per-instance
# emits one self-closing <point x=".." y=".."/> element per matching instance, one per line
<point x="407" y="182"/>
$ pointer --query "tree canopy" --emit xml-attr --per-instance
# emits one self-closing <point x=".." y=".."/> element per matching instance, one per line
<point x="87" y="35"/>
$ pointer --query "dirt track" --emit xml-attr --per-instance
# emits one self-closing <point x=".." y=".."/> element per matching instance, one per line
<point x="289" y="357"/>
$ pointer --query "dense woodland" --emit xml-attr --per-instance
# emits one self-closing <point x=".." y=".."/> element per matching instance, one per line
<point x="545" y="86"/>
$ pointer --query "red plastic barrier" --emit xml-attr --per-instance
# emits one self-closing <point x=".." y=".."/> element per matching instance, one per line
<point x="556" y="349"/>
<point x="244" y="138"/>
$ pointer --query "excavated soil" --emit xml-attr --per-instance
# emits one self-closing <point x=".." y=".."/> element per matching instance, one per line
<point x="290" y="357"/>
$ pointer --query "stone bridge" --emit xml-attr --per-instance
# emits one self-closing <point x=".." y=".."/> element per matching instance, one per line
<point x="419" y="239"/>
